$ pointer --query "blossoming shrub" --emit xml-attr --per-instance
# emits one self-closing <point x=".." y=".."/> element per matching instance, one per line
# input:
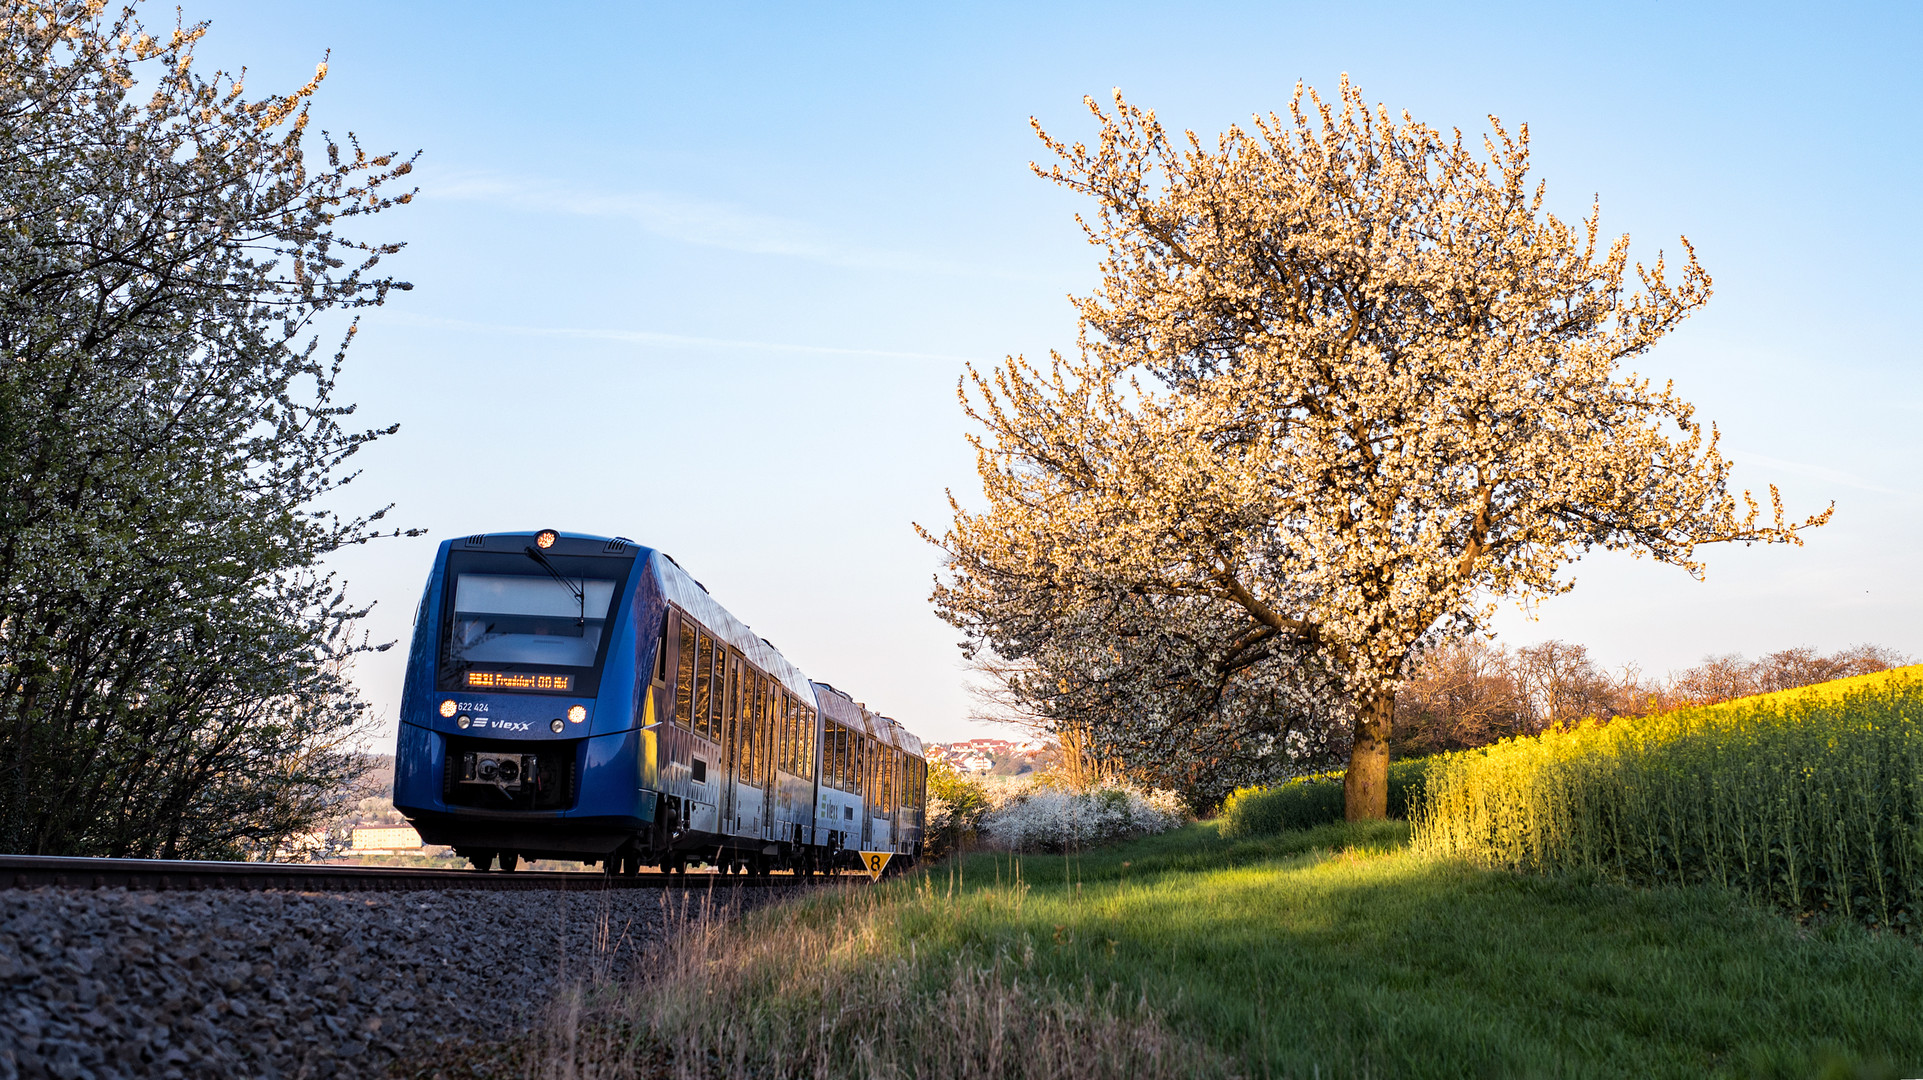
<point x="1809" y="799"/>
<point x="1045" y="819"/>
<point x="1311" y="801"/>
<point x="956" y="806"/>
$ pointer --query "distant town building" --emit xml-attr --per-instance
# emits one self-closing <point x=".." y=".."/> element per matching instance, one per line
<point x="990" y="755"/>
<point x="385" y="840"/>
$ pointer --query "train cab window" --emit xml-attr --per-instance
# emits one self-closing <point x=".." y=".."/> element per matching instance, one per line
<point x="661" y="655"/>
<point x="684" y="676"/>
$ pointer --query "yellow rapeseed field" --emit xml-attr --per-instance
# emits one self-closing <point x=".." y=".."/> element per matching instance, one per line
<point x="1810" y="798"/>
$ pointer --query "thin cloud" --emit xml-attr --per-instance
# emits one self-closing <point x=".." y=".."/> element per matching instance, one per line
<point x="693" y="221"/>
<point x="656" y="339"/>
<point x="1814" y="472"/>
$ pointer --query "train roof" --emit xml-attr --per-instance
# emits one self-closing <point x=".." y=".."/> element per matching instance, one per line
<point x="691" y="596"/>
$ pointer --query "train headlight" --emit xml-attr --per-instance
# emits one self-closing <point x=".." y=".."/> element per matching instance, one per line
<point x="510" y="770"/>
<point x="448" y="707"/>
<point x="490" y="768"/>
<point x="576" y="714"/>
<point x="546" y="538"/>
<point x="463" y="722"/>
<point x="556" y="725"/>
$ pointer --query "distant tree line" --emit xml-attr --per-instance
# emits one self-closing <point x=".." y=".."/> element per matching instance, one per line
<point x="1458" y="694"/>
<point x="173" y="665"/>
<point x="1473" y="692"/>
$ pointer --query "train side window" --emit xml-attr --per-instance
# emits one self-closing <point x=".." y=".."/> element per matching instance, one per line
<point x="744" y="726"/>
<point x="661" y="654"/>
<point x="762" y="721"/>
<point x="718" y="699"/>
<point x="808" y="740"/>
<point x="775" y="701"/>
<point x="747" y="733"/>
<point x="790" y="727"/>
<point x="731" y="702"/>
<point x="788" y="734"/>
<point x="828" y="754"/>
<point x="839" y="748"/>
<point x="703" y="682"/>
<point x="684" y="674"/>
<point x="780" y="730"/>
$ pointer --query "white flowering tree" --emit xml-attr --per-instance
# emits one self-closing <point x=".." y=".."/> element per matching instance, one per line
<point x="1345" y="381"/>
<point x="172" y="655"/>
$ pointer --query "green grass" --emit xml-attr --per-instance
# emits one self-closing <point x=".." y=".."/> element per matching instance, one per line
<point x="1335" y="952"/>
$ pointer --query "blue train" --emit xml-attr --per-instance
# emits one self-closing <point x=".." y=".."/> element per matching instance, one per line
<point x="583" y="698"/>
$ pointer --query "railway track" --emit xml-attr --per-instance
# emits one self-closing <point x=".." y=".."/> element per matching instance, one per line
<point x="38" y="871"/>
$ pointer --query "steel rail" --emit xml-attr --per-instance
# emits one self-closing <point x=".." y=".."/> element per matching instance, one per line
<point x="40" y="871"/>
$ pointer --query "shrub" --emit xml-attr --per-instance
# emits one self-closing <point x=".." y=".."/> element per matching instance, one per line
<point x="1043" y="819"/>
<point x="1810" y="799"/>
<point x="956" y="805"/>
<point x="1312" y="801"/>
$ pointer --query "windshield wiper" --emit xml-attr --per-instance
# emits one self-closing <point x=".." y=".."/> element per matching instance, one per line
<point x="580" y="595"/>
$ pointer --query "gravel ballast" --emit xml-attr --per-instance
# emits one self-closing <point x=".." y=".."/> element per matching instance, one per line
<point x="112" y="983"/>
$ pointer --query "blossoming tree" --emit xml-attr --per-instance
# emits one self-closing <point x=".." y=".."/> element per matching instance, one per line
<point x="1344" y="379"/>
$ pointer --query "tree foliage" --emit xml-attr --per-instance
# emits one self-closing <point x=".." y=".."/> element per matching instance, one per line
<point x="172" y="664"/>
<point x="1345" y="383"/>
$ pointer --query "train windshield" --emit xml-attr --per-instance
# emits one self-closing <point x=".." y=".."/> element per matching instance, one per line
<point x="519" y="619"/>
<point x="512" y="623"/>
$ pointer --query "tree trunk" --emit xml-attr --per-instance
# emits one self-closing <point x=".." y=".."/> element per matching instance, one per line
<point x="1365" y="789"/>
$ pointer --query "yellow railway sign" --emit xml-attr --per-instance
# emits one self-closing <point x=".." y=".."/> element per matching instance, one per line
<point x="875" y="862"/>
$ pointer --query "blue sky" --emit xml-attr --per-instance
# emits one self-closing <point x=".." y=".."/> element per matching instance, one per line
<point x="705" y="275"/>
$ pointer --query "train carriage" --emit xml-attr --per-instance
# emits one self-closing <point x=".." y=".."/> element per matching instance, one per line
<point x="581" y="697"/>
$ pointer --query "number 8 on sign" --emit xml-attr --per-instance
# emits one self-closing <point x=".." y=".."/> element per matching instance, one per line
<point x="875" y="862"/>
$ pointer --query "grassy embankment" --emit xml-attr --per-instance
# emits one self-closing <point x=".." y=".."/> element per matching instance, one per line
<point x="1332" y="952"/>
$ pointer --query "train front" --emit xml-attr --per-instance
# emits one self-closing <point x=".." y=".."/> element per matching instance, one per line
<point x="518" y="733"/>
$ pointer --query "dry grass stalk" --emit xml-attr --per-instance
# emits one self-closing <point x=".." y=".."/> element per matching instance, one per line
<point x="822" y="987"/>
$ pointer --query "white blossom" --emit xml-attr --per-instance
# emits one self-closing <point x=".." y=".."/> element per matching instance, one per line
<point x="1046" y="819"/>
